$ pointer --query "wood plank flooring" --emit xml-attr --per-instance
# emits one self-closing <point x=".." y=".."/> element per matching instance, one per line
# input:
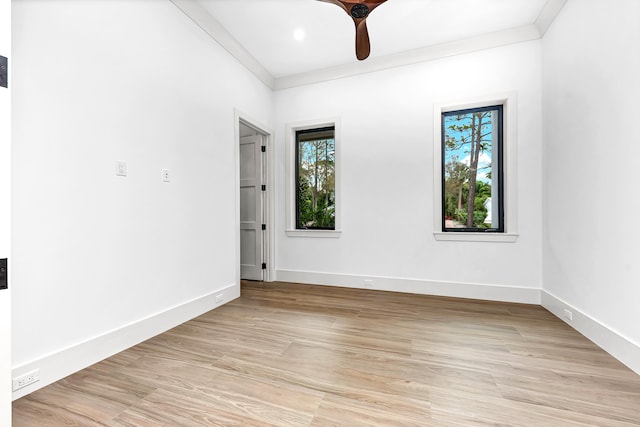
<point x="297" y="355"/>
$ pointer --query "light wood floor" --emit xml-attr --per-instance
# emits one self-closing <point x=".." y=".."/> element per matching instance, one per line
<point x="299" y="355"/>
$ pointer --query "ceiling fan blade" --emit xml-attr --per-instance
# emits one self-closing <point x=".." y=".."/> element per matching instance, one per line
<point x="363" y="46"/>
<point x="359" y="10"/>
<point x="337" y="3"/>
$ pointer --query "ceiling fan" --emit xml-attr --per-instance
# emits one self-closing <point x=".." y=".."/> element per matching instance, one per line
<point x="359" y="10"/>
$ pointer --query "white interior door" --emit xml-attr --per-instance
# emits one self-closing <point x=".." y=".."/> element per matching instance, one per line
<point x="251" y="218"/>
<point x="5" y="216"/>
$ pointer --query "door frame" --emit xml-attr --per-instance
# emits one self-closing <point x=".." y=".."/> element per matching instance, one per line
<point x="269" y="199"/>
<point x="5" y="218"/>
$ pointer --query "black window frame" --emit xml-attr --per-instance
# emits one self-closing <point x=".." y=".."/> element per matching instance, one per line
<point x="500" y="159"/>
<point x="298" y="225"/>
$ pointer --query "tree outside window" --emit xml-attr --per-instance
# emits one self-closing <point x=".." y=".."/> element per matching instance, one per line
<point x="315" y="179"/>
<point x="472" y="185"/>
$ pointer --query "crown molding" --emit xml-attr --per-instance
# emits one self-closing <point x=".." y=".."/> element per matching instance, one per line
<point x="548" y="14"/>
<point x="213" y="28"/>
<point x="428" y="53"/>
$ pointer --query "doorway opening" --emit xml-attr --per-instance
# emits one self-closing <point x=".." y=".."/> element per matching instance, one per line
<point x="255" y="192"/>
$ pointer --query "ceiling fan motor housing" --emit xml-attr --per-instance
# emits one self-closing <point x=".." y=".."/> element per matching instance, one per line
<point x="359" y="11"/>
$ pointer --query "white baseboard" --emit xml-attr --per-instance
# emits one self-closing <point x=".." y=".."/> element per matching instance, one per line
<point x="64" y="362"/>
<point x="416" y="286"/>
<point x="614" y="343"/>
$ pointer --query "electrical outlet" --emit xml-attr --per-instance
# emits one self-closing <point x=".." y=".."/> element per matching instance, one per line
<point x="166" y="175"/>
<point x="26" y="379"/>
<point x="368" y="283"/>
<point x="568" y="314"/>
<point x="219" y="298"/>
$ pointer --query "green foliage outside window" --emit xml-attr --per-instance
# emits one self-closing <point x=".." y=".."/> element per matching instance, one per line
<point x="472" y="198"/>
<point x="315" y="177"/>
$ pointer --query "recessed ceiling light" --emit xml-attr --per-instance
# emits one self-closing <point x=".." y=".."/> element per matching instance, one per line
<point x="298" y="34"/>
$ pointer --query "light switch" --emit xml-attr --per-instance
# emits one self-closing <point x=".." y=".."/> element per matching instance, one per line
<point x="121" y="168"/>
<point x="166" y="176"/>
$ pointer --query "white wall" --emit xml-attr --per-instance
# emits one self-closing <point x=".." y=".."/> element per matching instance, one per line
<point x="100" y="261"/>
<point x="591" y="64"/>
<point x="387" y="191"/>
<point x="5" y="217"/>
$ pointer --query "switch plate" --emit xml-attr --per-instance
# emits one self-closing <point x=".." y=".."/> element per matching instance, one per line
<point x="121" y="168"/>
<point x="166" y="175"/>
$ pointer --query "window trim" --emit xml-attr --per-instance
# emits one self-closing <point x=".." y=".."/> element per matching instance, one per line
<point x="290" y="136"/>
<point x="509" y="153"/>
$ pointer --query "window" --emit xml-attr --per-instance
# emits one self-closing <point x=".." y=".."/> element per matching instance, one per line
<point x="474" y="170"/>
<point x="313" y="179"/>
<point x="472" y="190"/>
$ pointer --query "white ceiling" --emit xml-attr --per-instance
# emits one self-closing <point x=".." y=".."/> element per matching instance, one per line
<point x="260" y="33"/>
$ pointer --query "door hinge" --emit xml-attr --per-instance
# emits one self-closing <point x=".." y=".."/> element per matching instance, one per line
<point x="4" y="273"/>
<point x="264" y="226"/>
<point x="4" y="69"/>
<point x="263" y="148"/>
<point x="264" y="187"/>
<point x="264" y="265"/>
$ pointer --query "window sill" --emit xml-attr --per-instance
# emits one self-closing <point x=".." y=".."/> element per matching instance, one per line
<point x="314" y="233"/>
<point x="476" y="237"/>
